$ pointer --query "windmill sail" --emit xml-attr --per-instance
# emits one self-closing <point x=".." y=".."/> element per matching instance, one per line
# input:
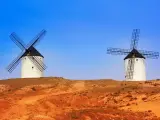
<point x="135" y="39"/>
<point x="135" y="59"/>
<point x="28" y="51"/>
<point x="15" y="62"/>
<point x="130" y="68"/>
<point x="14" y="37"/>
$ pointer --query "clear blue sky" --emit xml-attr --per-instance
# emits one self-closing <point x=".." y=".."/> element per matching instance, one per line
<point x="78" y="34"/>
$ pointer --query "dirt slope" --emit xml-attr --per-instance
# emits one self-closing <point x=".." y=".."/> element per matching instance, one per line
<point x="61" y="99"/>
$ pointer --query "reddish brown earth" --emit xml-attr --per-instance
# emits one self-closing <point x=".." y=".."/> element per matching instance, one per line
<point x="62" y="99"/>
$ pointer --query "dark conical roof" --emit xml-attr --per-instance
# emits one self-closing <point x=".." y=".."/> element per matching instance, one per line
<point x="134" y="53"/>
<point x="32" y="52"/>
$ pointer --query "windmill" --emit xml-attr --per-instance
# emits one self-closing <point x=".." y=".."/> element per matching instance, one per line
<point x="31" y="59"/>
<point x="135" y="59"/>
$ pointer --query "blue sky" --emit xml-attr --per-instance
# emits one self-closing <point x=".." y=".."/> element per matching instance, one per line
<point x="78" y="34"/>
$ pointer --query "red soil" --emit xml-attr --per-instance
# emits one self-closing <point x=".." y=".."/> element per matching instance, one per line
<point x="61" y="99"/>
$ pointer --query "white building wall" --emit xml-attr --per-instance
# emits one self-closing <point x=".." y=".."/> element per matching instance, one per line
<point x="139" y="69"/>
<point x="29" y="69"/>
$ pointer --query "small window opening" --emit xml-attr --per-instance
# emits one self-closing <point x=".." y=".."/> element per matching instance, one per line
<point x="136" y="59"/>
<point x="32" y="67"/>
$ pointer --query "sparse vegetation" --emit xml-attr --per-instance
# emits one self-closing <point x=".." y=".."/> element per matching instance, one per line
<point x="62" y="100"/>
<point x="33" y="88"/>
<point x="128" y="104"/>
<point x="129" y="96"/>
<point x="144" y="98"/>
<point x="74" y="115"/>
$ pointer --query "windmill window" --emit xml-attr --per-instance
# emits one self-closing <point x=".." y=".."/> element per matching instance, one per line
<point x="136" y="59"/>
<point x="32" y="67"/>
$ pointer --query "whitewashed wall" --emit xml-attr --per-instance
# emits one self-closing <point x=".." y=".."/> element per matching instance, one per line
<point x="29" y="69"/>
<point x="139" y="69"/>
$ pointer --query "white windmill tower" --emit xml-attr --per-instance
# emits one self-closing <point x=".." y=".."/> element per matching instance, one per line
<point x="31" y="59"/>
<point x="135" y="59"/>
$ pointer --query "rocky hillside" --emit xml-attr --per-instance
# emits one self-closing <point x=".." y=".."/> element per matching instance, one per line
<point x="61" y="99"/>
